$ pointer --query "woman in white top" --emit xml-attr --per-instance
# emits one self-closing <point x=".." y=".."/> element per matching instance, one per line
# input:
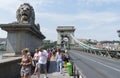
<point x="36" y="56"/>
<point x="59" y="61"/>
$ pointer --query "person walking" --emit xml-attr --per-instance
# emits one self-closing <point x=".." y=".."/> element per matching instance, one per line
<point x="67" y="58"/>
<point x="48" y="59"/>
<point x="59" y="61"/>
<point x="26" y="63"/>
<point x="36" y="56"/>
<point x="41" y="65"/>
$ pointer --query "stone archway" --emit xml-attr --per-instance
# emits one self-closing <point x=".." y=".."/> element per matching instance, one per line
<point x="64" y="39"/>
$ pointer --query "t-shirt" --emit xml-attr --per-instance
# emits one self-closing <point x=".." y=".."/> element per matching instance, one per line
<point x="43" y="57"/>
<point x="35" y="56"/>
<point x="59" y="57"/>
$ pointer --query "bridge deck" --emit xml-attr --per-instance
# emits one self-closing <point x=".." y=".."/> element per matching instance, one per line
<point x="53" y="73"/>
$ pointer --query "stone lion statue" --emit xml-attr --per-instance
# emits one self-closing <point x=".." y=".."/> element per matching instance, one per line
<point x="25" y="14"/>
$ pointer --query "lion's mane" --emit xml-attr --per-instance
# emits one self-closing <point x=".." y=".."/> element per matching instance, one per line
<point x="30" y="17"/>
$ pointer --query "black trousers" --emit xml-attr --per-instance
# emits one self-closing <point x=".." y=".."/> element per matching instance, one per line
<point x="48" y="65"/>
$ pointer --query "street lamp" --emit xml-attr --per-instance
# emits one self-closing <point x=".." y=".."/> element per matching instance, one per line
<point x="118" y="33"/>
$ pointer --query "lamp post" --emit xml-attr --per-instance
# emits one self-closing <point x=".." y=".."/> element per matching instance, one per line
<point x="66" y="42"/>
<point x="118" y="33"/>
<point x="62" y="41"/>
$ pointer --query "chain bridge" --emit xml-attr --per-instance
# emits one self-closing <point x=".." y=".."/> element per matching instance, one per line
<point x="87" y="61"/>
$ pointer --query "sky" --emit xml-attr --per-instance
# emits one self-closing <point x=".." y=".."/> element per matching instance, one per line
<point x="92" y="19"/>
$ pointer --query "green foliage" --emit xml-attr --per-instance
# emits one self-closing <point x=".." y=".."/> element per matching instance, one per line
<point x="2" y="49"/>
<point x="48" y="45"/>
<point x="90" y="43"/>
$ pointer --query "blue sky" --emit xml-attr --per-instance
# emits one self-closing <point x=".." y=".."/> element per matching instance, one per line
<point x="93" y="19"/>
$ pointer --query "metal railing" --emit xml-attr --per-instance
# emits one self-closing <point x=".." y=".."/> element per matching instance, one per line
<point x="76" y="72"/>
<point x="106" y="53"/>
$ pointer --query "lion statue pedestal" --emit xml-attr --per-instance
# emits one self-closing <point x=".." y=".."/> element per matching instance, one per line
<point x="23" y="33"/>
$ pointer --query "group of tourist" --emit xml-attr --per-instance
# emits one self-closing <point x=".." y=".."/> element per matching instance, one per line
<point x="41" y="61"/>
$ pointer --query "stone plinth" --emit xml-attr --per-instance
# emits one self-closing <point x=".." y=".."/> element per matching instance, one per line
<point x="21" y="36"/>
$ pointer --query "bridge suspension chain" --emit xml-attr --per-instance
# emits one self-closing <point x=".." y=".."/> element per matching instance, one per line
<point x="82" y="44"/>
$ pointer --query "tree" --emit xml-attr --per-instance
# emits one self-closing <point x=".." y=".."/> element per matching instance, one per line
<point x="48" y="44"/>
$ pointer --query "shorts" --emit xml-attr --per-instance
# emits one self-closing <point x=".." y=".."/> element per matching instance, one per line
<point x="25" y="71"/>
<point x="42" y="66"/>
<point x="35" y="61"/>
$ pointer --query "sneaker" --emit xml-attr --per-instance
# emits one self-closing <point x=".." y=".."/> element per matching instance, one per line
<point x="45" y="76"/>
<point x="60" y="72"/>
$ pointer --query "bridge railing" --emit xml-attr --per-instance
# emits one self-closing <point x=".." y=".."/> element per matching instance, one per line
<point x="76" y="71"/>
<point x="101" y="52"/>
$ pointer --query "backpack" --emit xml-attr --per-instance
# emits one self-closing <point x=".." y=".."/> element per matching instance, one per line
<point x="63" y="57"/>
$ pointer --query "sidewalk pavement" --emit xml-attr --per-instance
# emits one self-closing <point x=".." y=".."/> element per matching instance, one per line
<point x="53" y="73"/>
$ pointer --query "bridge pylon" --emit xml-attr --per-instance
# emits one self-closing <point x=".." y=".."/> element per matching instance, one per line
<point x="64" y="39"/>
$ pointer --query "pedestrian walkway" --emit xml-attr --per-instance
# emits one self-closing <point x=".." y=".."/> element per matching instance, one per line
<point x="53" y="73"/>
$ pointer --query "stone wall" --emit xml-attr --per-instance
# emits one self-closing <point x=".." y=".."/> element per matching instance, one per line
<point x="9" y="67"/>
<point x="22" y="39"/>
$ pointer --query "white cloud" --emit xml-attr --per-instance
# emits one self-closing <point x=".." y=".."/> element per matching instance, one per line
<point x="97" y="25"/>
<point x="91" y="20"/>
<point x="91" y="16"/>
<point x="49" y="33"/>
<point x="3" y="34"/>
<point x="55" y="17"/>
<point x="98" y="17"/>
<point x="5" y="3"/>
<point x="12" y="5"/>
<point x="8" y="5"/>
<point x="46" y="30"/>
<point x="96" y="2"/>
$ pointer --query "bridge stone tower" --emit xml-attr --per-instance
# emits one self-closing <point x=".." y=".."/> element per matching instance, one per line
<point x="23" y="33"/>
<point x="64" y="39"/>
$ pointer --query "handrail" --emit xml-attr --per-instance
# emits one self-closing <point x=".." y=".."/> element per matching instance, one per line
<point x="106" y="53"/>
<point x="76" y="71"/>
